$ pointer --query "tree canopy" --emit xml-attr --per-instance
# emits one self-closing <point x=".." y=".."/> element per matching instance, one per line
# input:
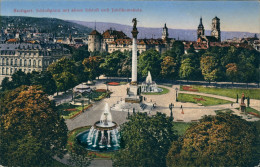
<point x="222" y="140"/>
<point x="32" y="131"/>
<point x="145" y="141"/>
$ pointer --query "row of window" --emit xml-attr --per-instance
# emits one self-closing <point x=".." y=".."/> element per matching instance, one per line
<point x="22" y="62"/>
<point x="10" y="71"/>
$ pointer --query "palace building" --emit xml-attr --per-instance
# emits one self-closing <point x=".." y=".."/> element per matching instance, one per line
<point x="28" y="57"/>
<point x="113" y="40"/>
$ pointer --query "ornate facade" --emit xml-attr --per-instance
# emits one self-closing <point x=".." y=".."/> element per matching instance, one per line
<point x="28" y="57"/>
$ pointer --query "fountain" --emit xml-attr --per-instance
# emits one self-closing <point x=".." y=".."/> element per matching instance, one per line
<point x="103" y="135"/>
<point x="150" y="86"/>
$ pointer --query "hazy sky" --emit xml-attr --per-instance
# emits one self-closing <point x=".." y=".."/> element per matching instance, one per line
<point x="234" y="15"/>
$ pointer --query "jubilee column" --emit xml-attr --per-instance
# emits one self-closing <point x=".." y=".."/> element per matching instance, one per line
<point x="134" y="53"/>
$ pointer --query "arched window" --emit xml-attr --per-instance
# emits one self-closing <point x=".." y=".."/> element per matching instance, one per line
<point x="11" y="71"/>
<point x="34" y="63"/>
<point x="39" y="63"/>
<point x="21" y="62"/>
<point x="7" y="71"/>
<point x="15" y="62"/>
<point x="30" y="62"/>
<point x="25" y="62"/>
<point x="11" y="62"/>
<point x="7" y="61"/>
<point x="3" y="61"/>
<point x="3" y="70"/>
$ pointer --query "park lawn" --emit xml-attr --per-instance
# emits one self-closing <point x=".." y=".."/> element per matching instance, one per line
<point x="72" y="141"/>
<point x="165" y="91"/>
<point x="249" y="109"/>
<point x="228" y="92"/>
<point x="209" y="101"/>
<point x="181" y="127"/>
<point x="224" y="111"/>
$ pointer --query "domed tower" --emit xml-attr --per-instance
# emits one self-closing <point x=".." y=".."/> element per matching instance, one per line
<point x="94" y="41"/>
<point x="200" y="31"/>
<point x="215" y="31"/>
<point x="165" y="32"/>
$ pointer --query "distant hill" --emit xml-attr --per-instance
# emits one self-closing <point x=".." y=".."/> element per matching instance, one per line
<point x="182" y="34"/>
<point x="45" y="25"/>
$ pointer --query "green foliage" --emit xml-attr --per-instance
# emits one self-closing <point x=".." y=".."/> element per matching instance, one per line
<point x="149" y="61"/>
<point x="80" y="54"/>
<point x="43" y="79"/>
<point x="222" y="140"/>
<point x="32" y="131"/>
<point x="92" y="67"/>
<point x="209" y="101"/>
<point x="113" y="63"/>
<point x="208" y="65"/>
<point x="67" y="73"/>
<point x="168" y="68"/>
<point x="181" y="127"/>
<point x="145" y="141"/>
<point x="187" y="71"/>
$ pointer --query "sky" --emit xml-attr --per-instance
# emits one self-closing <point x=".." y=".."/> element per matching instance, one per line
<point x="234" y="15"/>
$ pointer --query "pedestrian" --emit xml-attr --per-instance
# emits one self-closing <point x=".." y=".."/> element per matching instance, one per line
<point x="231" y="104"/>
<point x="182" y="111"/>
<point x="181" y="106"/>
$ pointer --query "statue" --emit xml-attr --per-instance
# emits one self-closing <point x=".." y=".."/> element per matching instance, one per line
<point x="135" y="23"/>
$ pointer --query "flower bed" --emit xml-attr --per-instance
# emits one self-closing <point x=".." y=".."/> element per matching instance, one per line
<point x="255" y="114"/>
<point x="101" y="90"/>
<point x="113" y="83"/>
<point x="199" y="99"/>
<point x="189" y="88"/>
<point x="71" y="109"/>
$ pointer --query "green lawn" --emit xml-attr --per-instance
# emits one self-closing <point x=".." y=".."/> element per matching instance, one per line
<point x="223" y="111"/>
<point x="165" y="91"/>
<point x="229" y="92"/>
<point x="181" y="127"/>
<point x="209" y="101"/>
<point x="56" y="163"/>
<point x="249" y="109"/>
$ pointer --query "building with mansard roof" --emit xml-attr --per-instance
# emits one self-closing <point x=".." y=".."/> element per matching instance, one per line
<point x="28" y="57"/>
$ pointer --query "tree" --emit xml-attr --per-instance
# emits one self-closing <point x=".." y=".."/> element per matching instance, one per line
<point x="222" y="140"/>
<point x="145" y="141"/>
<point x="6" y="84"/>
<point x="208" y="67"/>
<point x="91" y="65"/>
<point x="232" y="72"/>
<point x="66" y="73"/>
<point x="113" y="63"/>
<point x="149" y="61"/>
<point x="168" y="67"/>
<point x="187" y="70"/>
<point x="32" y="131"/>
<point x="81" y="53"/>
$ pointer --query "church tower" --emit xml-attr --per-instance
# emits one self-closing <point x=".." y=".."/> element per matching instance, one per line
<point x="215" y="30"/>
<point x="94" y="41"/>
<point x="165" y="32"/>
<point x="200" y="31"/>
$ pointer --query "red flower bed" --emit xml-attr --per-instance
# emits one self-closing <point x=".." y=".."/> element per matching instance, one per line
<point x="189" y="88"/>
<point x="72" y="109"/>
<point x="199" y="99"/>
<point x="101" y="90"/>
<point x="255" y="114"/>
<point x="113" y="83"/>
<point x="97" y="154"/>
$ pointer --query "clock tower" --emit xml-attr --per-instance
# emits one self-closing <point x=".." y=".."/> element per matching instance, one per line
<point x="215" y="30"/>
<point x="200" y="30"/>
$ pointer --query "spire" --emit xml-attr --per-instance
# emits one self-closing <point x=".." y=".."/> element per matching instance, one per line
<point x="200" y="20"/>
<point x="201" y="25"/>
<point x="165" y="25"/>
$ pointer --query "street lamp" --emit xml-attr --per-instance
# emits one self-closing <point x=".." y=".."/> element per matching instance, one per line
<point x="171" y="107"/>
<point x="176" y="94"/>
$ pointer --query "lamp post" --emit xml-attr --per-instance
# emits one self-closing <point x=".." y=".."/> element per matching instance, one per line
<point x="176" y="89"/>
<point x="171" y="107"/>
